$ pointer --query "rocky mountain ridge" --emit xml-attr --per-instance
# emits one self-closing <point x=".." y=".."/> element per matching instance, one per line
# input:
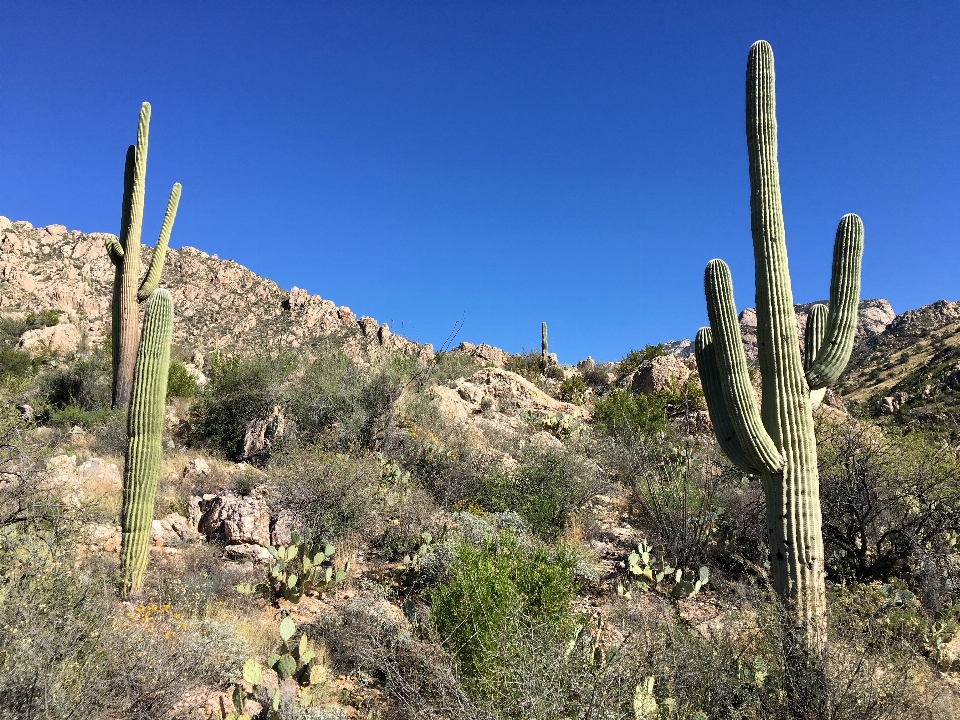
<point x="220" y="305"/>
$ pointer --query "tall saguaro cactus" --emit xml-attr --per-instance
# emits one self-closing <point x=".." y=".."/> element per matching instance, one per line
<point x="543" y="346"/>
<point x="777" y="442"/>
<point x="128" y="290"/>
<point x="144" y="433"/>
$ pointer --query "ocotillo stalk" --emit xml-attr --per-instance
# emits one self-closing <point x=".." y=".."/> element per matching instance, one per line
<point x="144" y="434"/>
<point x="776" y="441"/>
<point x="543" y="346"/>
<point x="128" y="291"/>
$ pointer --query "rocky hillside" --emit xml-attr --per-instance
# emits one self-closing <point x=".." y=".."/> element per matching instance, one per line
<point x="911" y="371"/>
<point x="220" y="305"/>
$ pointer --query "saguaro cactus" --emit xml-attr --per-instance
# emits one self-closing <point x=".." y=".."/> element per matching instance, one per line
<point x="543" y="346"/>
<point x="128" y="291"/>
<point x="777" y="442"/>
<point x="144" y="433"/>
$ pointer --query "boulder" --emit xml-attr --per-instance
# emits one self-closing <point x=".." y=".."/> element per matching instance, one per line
<point x="262" y="433"/>
<point x="196" y="469"/>
<point x="60" y="339"/>
<point x="100" y="474"/>
<point x="235" y="519"/>
<point x="486" y="354"/>
<point x="659" y="373"/>
<point x="172" y="531"/>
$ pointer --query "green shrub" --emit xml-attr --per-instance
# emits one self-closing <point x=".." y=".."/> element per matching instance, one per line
<point x="495" y="595"/>
<point x="631" y="361"/>
<point x="74" y="415"/>
<point x="891" y="509"/>
<point x="528" y="365"/>
<point x="180" y="383"/>
<point x="572" y="390"/>
<point x="554" y="372"/>
<point x="343" y="405"/>
<point x="450" y="366"/>
<point x="597" y="378"/>
<point x="84" y="383"/>
<point x="625" y="414"/>
<point x="239" y="389"/>
<point x="14" y="362"/>
<point x="545" y="488"/>
<point x="328" y="495"/>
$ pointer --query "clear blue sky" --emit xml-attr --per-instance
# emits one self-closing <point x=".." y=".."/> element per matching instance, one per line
<point x="508" y="162"/>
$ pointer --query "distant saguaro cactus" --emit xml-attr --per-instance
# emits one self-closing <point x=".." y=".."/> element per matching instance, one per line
<point x="144" y="433"/>
<point x="543" y="346"/>
<point x="128" y="290"/>
<point x="777" y="442"/>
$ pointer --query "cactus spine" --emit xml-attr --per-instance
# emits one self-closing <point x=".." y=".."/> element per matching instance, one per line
<point x="777" y="441"/>
<point x="144" y="433"/>
<point x="128" y="291"/>
<point x="543" y="346"/>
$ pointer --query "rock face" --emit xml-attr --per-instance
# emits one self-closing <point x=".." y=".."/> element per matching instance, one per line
<point x="220" y="305"/>
<point x="935" y="315"/>
<point x="873" y="317"/>
<point x="486" y="354"/>
<point x="659" y="374"/>
<point x="57" y="340"/>
<point x="93" y="478"/>
<point x="235" y="519"/>
<point x="498" y="391"/>
<point x="262" y="433"/>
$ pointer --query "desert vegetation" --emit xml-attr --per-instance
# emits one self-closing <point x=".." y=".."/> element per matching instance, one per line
<point x="358" y="527"/>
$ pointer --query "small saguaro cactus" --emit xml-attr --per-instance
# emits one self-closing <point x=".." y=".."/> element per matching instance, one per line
<point x="777" y="442"/>
<point x="128" y="290"/>
<point x="144" y="435"/>
<point x="543" y="346"/>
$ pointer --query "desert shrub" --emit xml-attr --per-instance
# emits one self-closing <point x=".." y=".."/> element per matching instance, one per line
<point x="623" y="414"/>
<point x="327" y="494"/>
<point x="441" y="459"/>
<point x="572" y="390"/>
<point x="681" y="398"/>
<point x="528" y="365"/>
<point x="554" y="372"/>
<point x="180" y="383"/>
<point x="631" y="361"/>
<point x="451" y="365"/>
<point x="239" y="389"/>
<point x="891" y="508"/>
<point x="343" y="405"/>
<point x="495" y="592"/>
<point x="597" y="378"/>
<point x="545" y="489"/>
<point x="84" y="383"/>
<point x="14" y="362"/>
<point x="677" y="485"/>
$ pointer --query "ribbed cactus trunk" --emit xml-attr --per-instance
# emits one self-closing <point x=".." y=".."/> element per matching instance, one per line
<point x="144" y="431"/>
<point x="777" y="442"/>
<point x="128" y="291"/>
<point x="543" y="346"/>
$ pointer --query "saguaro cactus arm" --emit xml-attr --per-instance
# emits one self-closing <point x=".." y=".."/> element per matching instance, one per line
<point x="144" y="435"/>
<point x="710" y="378"/>
<point x="833" y="353"/>
<point x="739" y="400"/>
<point x="152" y="278"/>
<point x="813" y="335"/>
<point x="812" y="341"/>
<point x="124" y="252"/>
